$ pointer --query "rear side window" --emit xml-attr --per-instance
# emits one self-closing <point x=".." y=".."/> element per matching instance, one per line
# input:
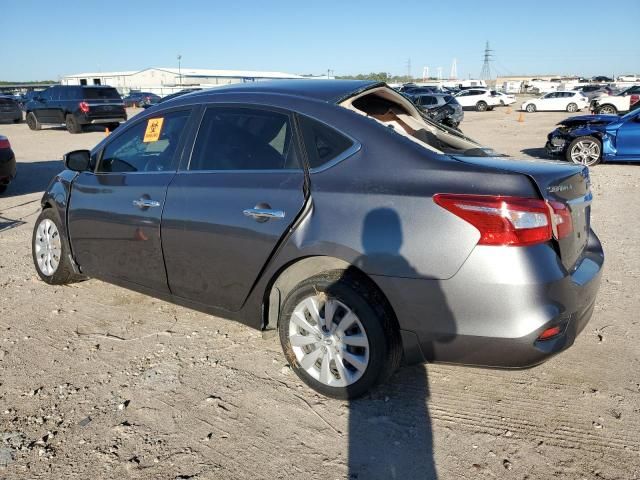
<point x="322" y="142"/>
<point x="100" y="94"/>
<point x="148" y="146"/>
<point x="244" y="139"/>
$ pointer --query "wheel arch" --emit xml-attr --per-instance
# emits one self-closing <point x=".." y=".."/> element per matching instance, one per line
<point x="289" y="275"/>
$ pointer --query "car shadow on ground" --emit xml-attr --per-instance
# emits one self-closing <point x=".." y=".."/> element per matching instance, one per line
<point x="540" y="153"/>
<point x="390" y="433"/>
<point x="32" y="177"/>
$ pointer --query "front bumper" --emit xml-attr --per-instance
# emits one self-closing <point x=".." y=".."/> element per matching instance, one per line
<point x="493" y="310"/>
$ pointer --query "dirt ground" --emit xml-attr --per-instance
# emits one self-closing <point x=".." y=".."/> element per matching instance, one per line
<point x="100" y="382"/>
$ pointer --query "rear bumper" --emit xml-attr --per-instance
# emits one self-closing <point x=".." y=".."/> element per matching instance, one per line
<point x="11" y="116"/>
<point x="118" y="116"/>
<point x="493" y="310"/>
<point x="7" y="166"/>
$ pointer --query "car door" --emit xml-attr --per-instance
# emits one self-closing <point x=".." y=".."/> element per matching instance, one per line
<point x="114" y="211"/>
<point x="231" y="203"/>
<point x="45" y="108"/>
<point x="548" y="101"/>
<point x="628" y="139"/>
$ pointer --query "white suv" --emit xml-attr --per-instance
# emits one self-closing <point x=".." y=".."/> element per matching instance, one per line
<point x="614" y="104"/>
<point x="568" y="101"/>
<point x="479" y="99"/>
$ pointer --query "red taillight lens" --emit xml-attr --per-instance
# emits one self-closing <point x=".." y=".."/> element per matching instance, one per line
<point x="549" y="333"/>
<point x="634" y="99"/>
<point x="4" y="143"/>
<point x="561" y="220"/>
<point x="501" y="220"/>
<point x="84" y="107"/>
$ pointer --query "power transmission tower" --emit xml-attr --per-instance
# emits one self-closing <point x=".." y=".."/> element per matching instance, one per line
<point x="485" y="74"/>
<point x="454" y="69"/>
<point x="409" y="69"/>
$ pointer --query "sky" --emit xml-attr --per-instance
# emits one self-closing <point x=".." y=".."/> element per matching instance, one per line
<point x="47" y="39"/>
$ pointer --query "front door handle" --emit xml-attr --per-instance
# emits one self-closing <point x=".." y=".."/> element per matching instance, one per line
<point x="145" y="203"/>
<point x="263" y="214"/>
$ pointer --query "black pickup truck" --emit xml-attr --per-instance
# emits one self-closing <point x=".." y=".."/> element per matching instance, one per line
<point x="76" y="106"/>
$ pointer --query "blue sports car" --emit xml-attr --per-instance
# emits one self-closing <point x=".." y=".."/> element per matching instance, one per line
<point x="591" y="139"/>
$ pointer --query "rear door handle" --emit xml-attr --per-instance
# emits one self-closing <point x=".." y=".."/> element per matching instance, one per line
<point x="263" y="214"/>
<point x="145" y="203"/>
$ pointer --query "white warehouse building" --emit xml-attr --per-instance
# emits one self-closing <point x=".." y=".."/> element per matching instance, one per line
<point x="164" y="81"/>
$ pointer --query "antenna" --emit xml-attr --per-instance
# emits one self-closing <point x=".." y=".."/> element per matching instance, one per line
<point x="454" y="69"/>
<point x="485" y="74"/>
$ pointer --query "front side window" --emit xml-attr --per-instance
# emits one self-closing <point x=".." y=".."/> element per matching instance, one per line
<point x="148" y="146"/>
<point x="232" y="138"/>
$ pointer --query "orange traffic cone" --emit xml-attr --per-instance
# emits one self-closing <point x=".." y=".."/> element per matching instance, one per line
<point x="521" y="117"/>
<point x="508" y="110"/>
<point x="106" y="132"/>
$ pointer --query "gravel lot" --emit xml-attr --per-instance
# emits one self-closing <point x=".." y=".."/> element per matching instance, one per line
<point x="97" y="381"/>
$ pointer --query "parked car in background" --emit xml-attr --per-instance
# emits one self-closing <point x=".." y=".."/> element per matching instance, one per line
<point x="171" y="96"/>
<point x="591" y="139"/>
<point x="478" y="99"/>
<point x="602" y="79"/>
<point x="504" y="98"/>
<point x="419" y="90"/>
<point x="440" y="107"/>
<point x="76" y="107"/>
<point x="353" y="280"/>
<point x="561" y="100"/>
<point x="141" y="99"/>
<point x="629" y="78"/>
<point x="619" y="103"/>
<point x="27" y="97"/>
<point x="593" y="91"/>
<point x="7" y="163"/>
<point x="10" y="110"/>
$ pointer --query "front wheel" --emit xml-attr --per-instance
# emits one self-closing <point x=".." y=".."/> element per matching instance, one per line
<point x="585" y="151"/>
<point x="531" y="108"/>
<point x="607" y="110"/>
<point x="572" y="107"/>
<point x="337" y="335"/>
<point x="32" y="122"/>
<point x="481" y="106"/>
<point x="50" y="251"/>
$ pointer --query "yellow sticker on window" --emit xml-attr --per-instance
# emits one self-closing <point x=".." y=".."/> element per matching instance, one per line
<point x="154" y="127"/>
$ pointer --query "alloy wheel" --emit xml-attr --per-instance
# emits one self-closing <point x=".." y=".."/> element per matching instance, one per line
<point x="329" y="341"/>
<point x="585" y="152"/>
<point x="48" y="247"/>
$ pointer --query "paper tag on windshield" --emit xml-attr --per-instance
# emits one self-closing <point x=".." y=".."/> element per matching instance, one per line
<point x="154" y="127"/>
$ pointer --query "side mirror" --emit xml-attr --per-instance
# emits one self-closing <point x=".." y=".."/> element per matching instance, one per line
<point x="78" y="160"/>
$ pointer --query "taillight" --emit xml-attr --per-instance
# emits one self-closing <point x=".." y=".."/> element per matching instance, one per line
<point x="634" y="99"/>
<point x="502" y="220"/>
<point x="4" y="143"/>
<point x="561" y="220"/>
<point x="550" y="333"/>
<point x="84" y="107"/>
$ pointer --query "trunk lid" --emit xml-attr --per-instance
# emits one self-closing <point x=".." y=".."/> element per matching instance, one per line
<point x="557" y="182"/>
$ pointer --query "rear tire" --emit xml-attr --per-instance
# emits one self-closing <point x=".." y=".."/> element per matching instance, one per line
<point x="531" y="108"/>
<point x="3" y="188"/>
<point x="32" y="121"/>
<point x="72" y="124"/>
<point x="572" y="108"/>
<point x="112" y="126"/>
<point x="481" y="106"/>
<point x="359" y="346"/>
<point x="50" y="251"/>
<point x="585" y="151"/>
<point x="607" y="109"/>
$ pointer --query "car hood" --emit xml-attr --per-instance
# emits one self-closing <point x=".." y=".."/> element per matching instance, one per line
<point x="581" y="120"/>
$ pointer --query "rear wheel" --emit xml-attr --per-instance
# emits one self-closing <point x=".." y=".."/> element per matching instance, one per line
<point x="112" y="126"/>
<point x="481" y="106"/>
<point x="32" y="122"/>
<point x="572" y="107"/>
<point x="50" y="251"/>
<point x="607" y="109"/>
<point x="585" y="151"/>
<point x="337" y="335"/>
<point x="72" y="124"/>
<point x="531" y="108"/>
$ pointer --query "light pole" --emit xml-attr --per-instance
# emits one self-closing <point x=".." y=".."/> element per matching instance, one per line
<point x="179" y="70"/>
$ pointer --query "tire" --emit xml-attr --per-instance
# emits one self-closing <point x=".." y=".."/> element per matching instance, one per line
<point x="112" y="126"/>
<point x="531" y="108"/>
<point x="572" y="108"/>
<point x="72" y="124"/>
<point x="371" y="325"/>
<point x="47" y="246"/>
<point x="32" y="122"/>
<point x="481" y="106"/>
<point x="607" y="109"/>
<point x="578" y="151"/>
<point x="3" y="188"/>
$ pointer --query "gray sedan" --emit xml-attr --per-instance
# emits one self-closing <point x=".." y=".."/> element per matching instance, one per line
<point x="335" y="214"/>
